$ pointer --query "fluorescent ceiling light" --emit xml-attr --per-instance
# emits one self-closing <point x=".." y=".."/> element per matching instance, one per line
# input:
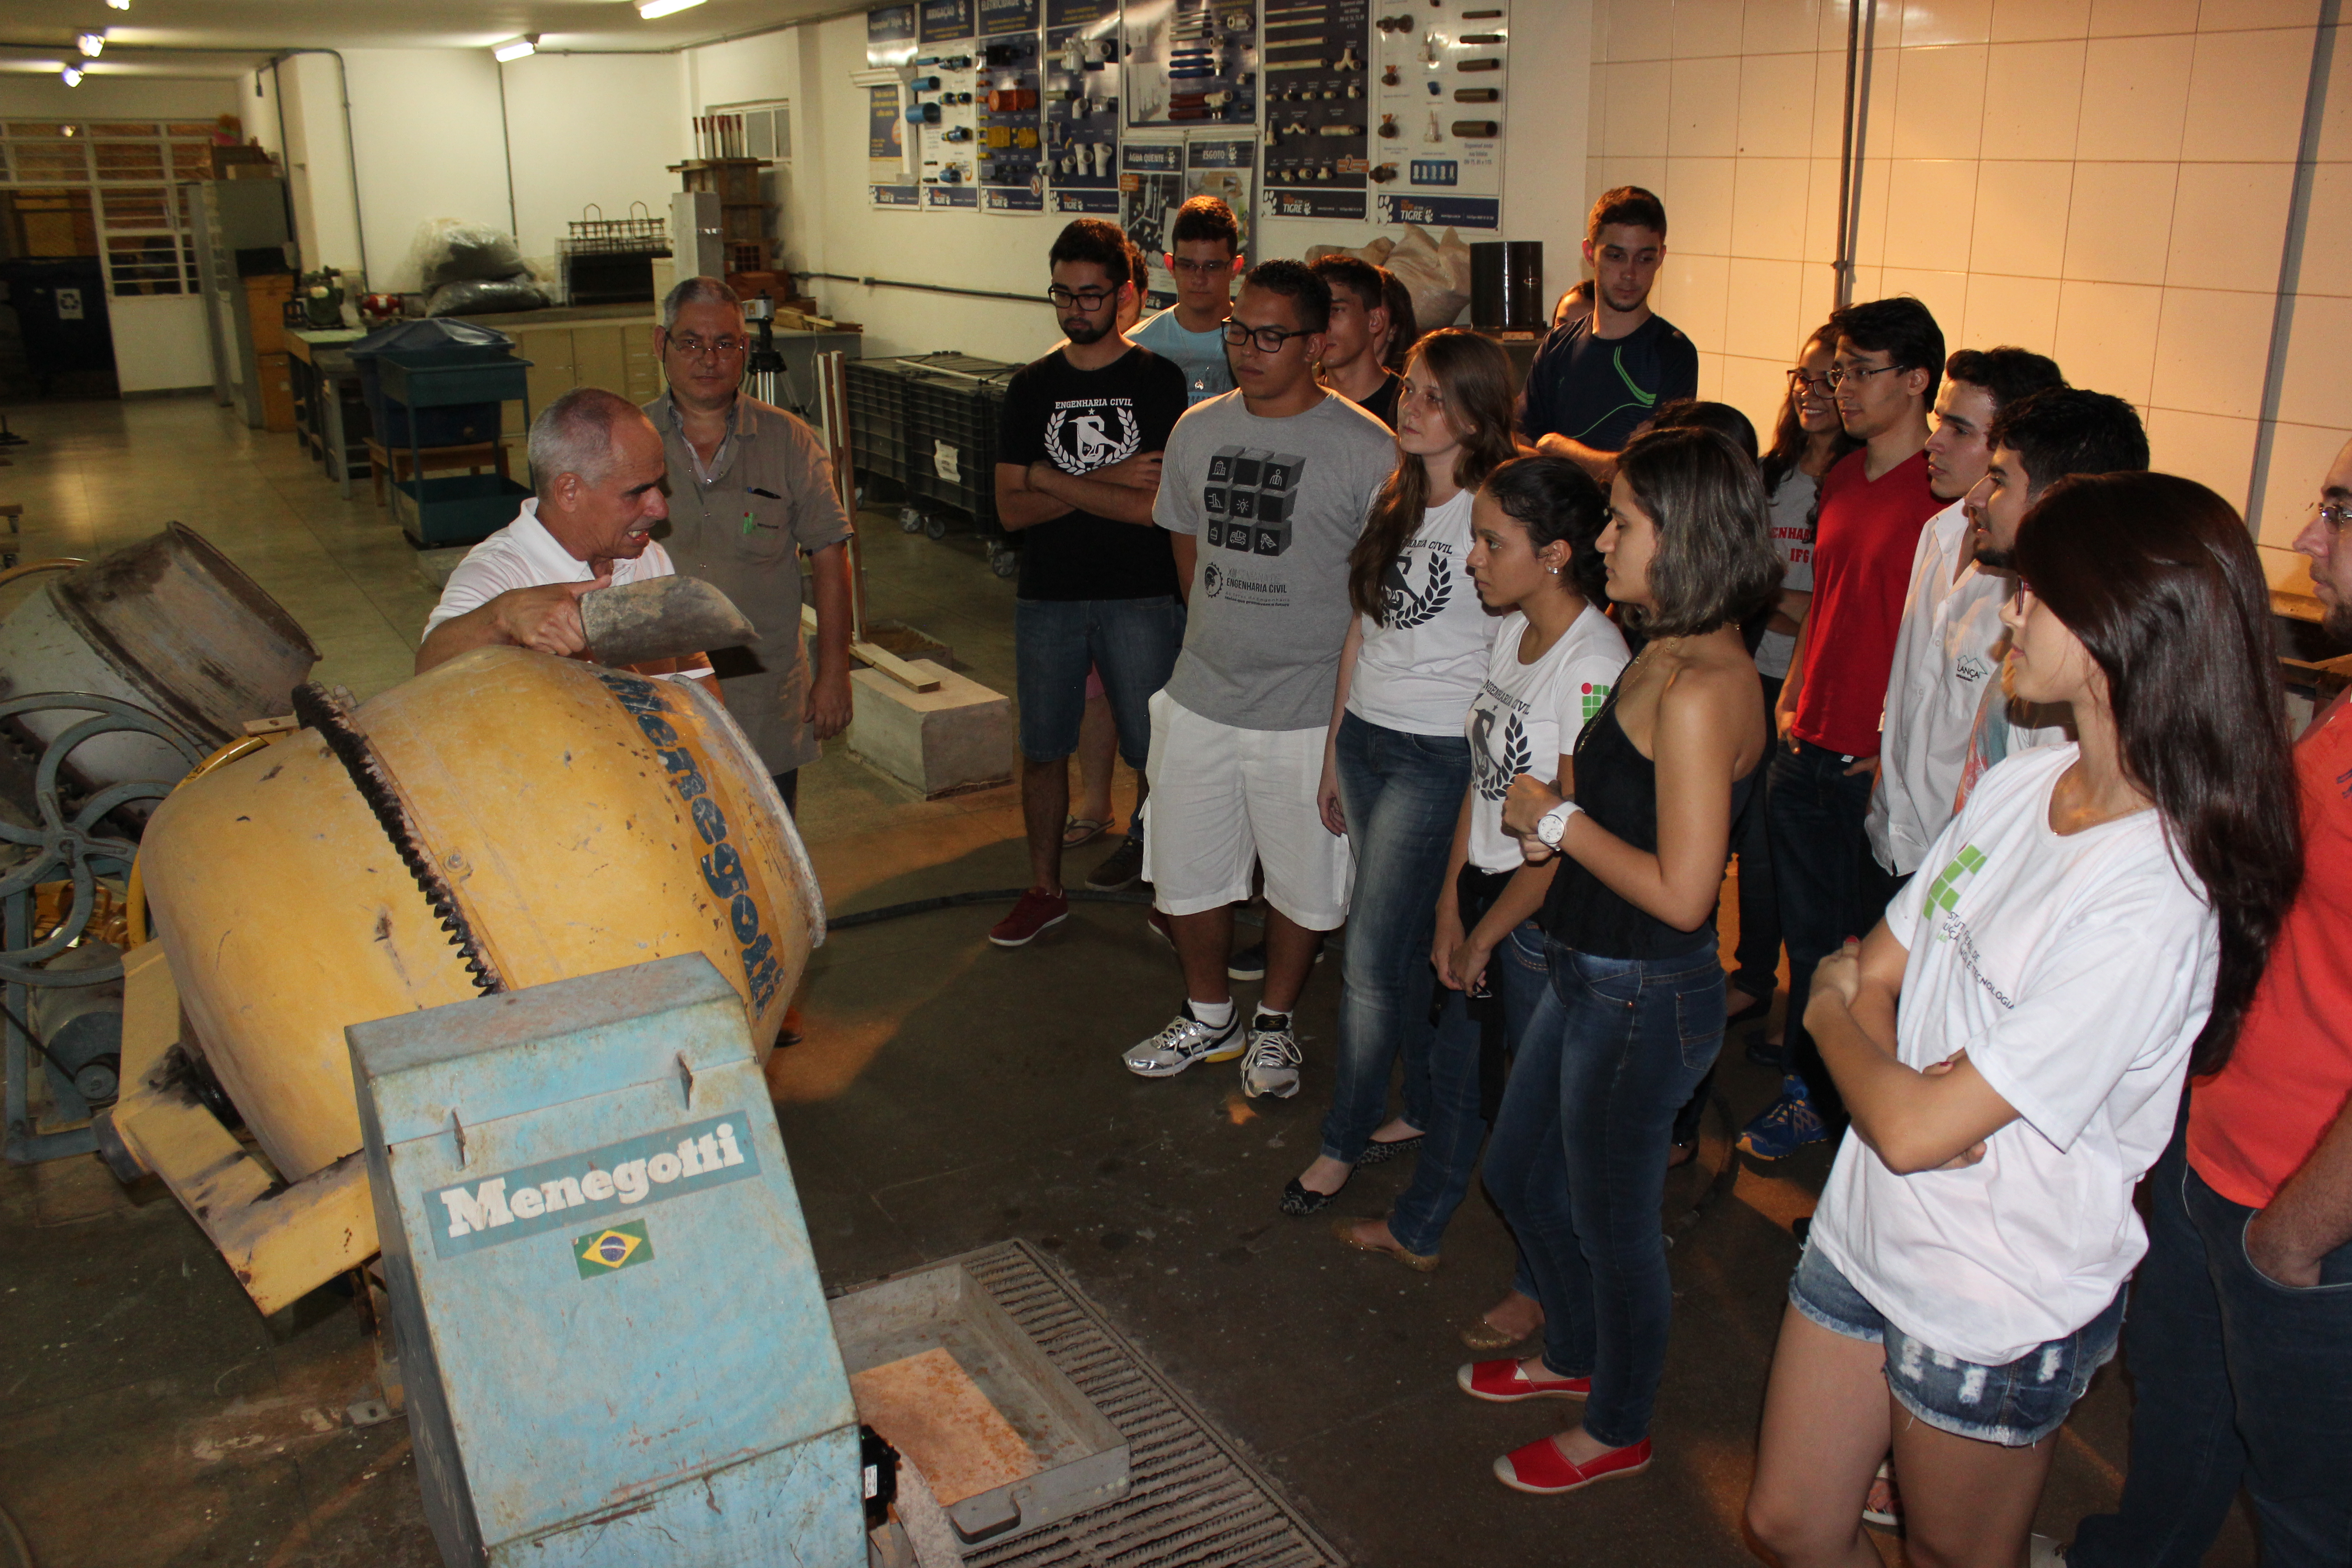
<point x="517" y="48"/>
<point x="120" y="5"/>
<point x="91" y="44"/>
<point x="649" y="9"/>
<point x="72" y="76"/>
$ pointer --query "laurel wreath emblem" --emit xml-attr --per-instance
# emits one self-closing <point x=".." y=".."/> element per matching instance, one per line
<point x="1107" y="450"/>
<point x="1402" y="607"/>
<point x="1495" y="766"/>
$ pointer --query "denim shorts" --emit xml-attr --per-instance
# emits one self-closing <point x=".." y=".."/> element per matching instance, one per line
<point x="2014" y="1405"/>
<point x="1132" y="643"/>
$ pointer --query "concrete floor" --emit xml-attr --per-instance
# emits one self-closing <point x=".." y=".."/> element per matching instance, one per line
<point x="949" y="1095"/>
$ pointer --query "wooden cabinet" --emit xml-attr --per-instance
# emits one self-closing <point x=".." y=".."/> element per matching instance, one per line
<point x="617" y="355"/>
<point x="276" y="388"/>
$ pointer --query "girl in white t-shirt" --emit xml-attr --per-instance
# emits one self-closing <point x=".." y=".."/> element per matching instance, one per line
<point x="1395" y="765"/>
<point x="1555" y="659"/>
<point x="2086" y="931"/>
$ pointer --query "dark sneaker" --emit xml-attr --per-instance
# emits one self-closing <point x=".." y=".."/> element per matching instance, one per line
<point x="1787" y="1125"/>
<point x="1249" y="963"/>
<point x="1036" y="912"/>
<point x="1185" y="1041"/>
<point x="1122" y="868"/>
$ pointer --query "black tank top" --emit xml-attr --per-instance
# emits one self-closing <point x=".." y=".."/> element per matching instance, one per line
<point x="1618" y="788"/>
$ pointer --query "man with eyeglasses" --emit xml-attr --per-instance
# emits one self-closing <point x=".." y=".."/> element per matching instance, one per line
<point x="1262" y="494"/>
<point x="1946" y="655"/>
<point x="1606" y="371"/>
<point x="1204" y="258"/>
<point x="2239" y="1334"/>
<point x="1873" y="504"/>
<point x="751" y="490"/>
<point x="1077" y="463"/>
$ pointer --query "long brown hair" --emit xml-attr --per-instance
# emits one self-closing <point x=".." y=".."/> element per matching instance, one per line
<point x="1473" y="387"/>
<point x="2158" y="577"/>
<point x="1790" y="439"/>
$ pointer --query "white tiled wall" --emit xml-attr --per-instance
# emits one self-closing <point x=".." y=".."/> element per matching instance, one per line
<point x="2104" y="180"/>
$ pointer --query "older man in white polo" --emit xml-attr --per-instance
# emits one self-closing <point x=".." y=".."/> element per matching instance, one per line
<point x="599" y="466"/>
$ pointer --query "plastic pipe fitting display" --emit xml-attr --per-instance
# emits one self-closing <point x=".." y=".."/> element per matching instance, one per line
<point x="1318" y="66"/>
<point x="1195" y="61"/>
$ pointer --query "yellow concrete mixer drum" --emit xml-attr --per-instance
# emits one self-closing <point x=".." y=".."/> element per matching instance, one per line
<point x="503" y="820"/>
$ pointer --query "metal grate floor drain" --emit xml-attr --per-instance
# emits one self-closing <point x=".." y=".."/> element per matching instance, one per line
<point x="1193" y="1501"/>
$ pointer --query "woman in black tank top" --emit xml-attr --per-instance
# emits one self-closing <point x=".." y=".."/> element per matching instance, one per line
<point x="1634" y="1011"/>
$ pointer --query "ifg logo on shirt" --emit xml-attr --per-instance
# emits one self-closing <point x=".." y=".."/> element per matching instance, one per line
<point x="1944" y="892"/>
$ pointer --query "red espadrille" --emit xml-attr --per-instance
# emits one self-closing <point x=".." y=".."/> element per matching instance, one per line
<point x="1540" y="1469"/>
<point x="1502" y="1383"/>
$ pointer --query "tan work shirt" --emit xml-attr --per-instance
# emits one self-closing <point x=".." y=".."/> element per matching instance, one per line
<point x="767" y="495"/>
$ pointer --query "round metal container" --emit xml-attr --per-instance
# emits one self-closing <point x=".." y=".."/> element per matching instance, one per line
<point x="168" y="623"/>
<point x="584" y="819"/>
<point x="1507" y="292"/>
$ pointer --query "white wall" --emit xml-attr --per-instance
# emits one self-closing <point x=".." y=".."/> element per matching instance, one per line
<point x="583" y="129"/>
<point x="2104" y="181"/>
<point x="751" y="71"/>
<point x="317" y="156"/>
<point x="426" y="128"/>
<point x="159" y="342"/>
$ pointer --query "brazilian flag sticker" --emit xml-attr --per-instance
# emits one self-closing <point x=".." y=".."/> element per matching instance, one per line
<point x="609" y="1251"/>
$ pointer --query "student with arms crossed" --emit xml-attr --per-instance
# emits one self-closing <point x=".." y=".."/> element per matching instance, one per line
<point x="1078" y="466"/>
<point x="2241" y="1329"/>
<point x="1264" y="491"/>
<point x="1602" y="373"/>
<point x="1555" y="659"/>
<point x="2012" y="1038"/>
<point x="1633" y="1013"/>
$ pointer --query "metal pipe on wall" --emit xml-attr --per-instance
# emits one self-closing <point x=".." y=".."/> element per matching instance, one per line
<point x="1861" y="38"/>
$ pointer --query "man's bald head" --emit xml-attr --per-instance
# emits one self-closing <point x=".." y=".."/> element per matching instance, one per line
<point x="597" y="465"/>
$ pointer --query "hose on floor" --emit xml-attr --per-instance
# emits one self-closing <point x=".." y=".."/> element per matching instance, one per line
<point x="957" y="901"/>
<point x="18" y="1547"/>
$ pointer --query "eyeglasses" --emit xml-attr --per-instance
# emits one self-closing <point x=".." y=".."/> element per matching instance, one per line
<point x="1802" y="385"/>
<point x="1203" y="270"/>
<point x="2334" y="514"/>
<point x="1838" y="373"/>
<point x="1269" y="340"/>
<point x="1084" y="298"/>
<point x="695" y="348"/>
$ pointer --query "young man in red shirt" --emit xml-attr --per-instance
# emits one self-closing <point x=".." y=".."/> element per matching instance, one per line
<point x="2240" y="1335"/>
<point x="1890" y="357"/>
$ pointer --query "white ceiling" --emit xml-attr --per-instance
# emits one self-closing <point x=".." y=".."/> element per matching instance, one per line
<point x="155" y="38"/>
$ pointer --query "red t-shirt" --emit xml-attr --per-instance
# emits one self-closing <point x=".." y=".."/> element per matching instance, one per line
<point x="2253" y="1124"/>
<point x="1862" y="550"/>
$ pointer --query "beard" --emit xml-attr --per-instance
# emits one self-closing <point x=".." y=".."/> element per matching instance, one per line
<point x="1998" y="560"/>
<point x="2337" y="622"/>
<point x="1081" y="332"/>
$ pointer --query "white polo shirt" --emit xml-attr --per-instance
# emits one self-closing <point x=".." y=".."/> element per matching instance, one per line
<point x="523" y="554"/>
<point x="1944" y="661"/>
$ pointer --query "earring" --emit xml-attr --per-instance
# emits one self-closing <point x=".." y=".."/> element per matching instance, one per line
<point x="1553" y="570"/>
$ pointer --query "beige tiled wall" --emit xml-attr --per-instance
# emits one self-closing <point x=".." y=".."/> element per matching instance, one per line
<point x="2104" y="180"/>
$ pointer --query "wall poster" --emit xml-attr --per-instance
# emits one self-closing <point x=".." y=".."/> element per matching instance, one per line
<point x="889" y="35"/>
<point x="1317" y="108"/>
<point x="888" y="184"/>
<point x="1438" y="150"/>
<point x="942" y="109"/>
<point x="1012" y="156"/>
<point x="1150" y="189"/>
<point x="1190" y="61"/>
<point x="1081" y="93"/>
<point x="1220" y="164"/>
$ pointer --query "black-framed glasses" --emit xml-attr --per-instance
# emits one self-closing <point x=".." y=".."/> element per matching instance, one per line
<point x="1838" y="373"/>
<point x="1269" y="340"/>
<point x="1803" y="384"/>
<point x="693" y="347"/>
<point x="1084" y="298"/>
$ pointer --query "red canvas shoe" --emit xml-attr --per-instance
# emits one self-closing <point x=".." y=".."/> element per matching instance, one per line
<point x="1540" y="1469"/>
<point x="1035" y="914"/>
<point x="1502" y="1383"/>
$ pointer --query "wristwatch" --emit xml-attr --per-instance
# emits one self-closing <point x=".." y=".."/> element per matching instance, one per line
<point x="1554" y="825"/>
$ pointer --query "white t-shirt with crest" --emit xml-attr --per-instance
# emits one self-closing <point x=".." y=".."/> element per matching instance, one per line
<point x="1526" y="717"/>
<point x="1426" y="653"/>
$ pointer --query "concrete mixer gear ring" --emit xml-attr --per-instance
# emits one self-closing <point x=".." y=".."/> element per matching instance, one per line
<point x="77" y="848"/>
<point x="316" y="708"/>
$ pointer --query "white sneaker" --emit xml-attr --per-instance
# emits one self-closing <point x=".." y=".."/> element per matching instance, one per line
<point x="1271" y="1064"/>
<point x="2046" y="1552"/>
<point x="1185" y="1041"/>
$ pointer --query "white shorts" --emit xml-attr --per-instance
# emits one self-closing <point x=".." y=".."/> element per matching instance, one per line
<point x="1223" y="798"/>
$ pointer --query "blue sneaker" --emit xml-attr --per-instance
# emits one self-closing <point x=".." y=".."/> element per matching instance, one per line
<point x="1787" y="1125"/>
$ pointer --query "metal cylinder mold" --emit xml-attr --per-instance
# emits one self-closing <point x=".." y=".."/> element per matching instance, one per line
<point x="1506" y="285"/>
<point x="168" y="623"/>
<point x="572" y="819"/>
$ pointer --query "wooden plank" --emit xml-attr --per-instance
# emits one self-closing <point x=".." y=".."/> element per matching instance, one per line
<point x="880" y="658"/>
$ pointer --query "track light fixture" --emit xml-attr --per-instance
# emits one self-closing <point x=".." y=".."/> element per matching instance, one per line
<point x="517" y="48"/>
<point x="649" y="9"/>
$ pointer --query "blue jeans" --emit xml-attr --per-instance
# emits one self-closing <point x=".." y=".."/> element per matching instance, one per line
<point x="1134" y="643"/>
<point x="1828" y="885"/>
<point x="1578" y="1162"/>
<point x="1517" y="972"/>
<point x="1402" y="795"/>
<point x="2240" y="1381"/>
